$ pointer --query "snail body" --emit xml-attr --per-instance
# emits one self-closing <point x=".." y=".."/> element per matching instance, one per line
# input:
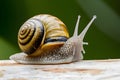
<point x="44" y="39"/>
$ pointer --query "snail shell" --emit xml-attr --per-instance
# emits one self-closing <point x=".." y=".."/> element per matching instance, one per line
<point x="42" y="33"/>
<point x="44" y="39"/>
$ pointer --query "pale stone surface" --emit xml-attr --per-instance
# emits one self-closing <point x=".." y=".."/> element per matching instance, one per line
<point x="83" y="70"/>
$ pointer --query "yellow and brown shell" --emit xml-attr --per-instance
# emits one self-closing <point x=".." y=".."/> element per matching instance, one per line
<point x="42" y="33"/>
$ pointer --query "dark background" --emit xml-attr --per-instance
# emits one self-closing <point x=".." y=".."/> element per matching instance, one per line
<point x="103" y="36"/>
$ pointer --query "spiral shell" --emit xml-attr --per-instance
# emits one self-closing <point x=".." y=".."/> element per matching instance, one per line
<point x="42" y="33"/>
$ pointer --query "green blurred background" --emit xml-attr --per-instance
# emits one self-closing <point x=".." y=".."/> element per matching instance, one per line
<point x="103" y="36"/>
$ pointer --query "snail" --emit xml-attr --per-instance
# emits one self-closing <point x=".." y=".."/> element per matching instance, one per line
<point x="44" y="39"/>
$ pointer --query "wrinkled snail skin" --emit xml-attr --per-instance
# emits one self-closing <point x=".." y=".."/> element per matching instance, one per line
<point x="59" y="48"/>
<point x="56" y="56"/>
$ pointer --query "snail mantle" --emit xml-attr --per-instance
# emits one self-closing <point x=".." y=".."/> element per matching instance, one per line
<point x="84" y="70"/>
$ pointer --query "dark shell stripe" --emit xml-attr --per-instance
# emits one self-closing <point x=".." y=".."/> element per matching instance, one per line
<point x="56" y="39"/>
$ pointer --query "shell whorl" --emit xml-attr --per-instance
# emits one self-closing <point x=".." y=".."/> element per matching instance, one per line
<point x="30" y="35"/>
<point x="41" y="31"/>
